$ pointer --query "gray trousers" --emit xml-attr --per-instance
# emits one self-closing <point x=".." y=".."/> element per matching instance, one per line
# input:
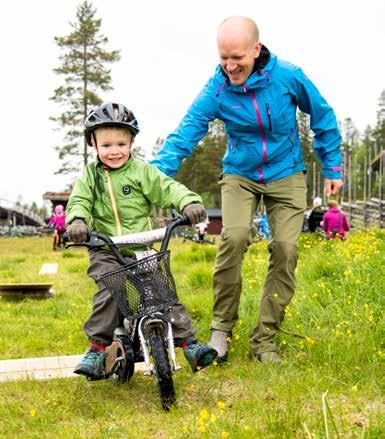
<point x="106" y="316"/>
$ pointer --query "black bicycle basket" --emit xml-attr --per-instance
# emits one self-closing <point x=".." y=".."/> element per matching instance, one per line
<point x="144" y="287"/>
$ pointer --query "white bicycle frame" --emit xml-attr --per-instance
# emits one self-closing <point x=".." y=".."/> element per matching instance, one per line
<point x="147" y="238"/>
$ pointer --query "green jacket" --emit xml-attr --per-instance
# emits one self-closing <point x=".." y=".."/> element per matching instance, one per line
<point x="118" y="201"/>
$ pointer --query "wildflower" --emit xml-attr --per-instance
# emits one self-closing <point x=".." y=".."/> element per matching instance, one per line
<point x="237" y="337"/>
<point x="221" y="405"/>
<point x="202" y="429"/>
<point x="33" y="412"/>
<point x="354" y="388"/>
<point x="213" y="418"/>
<point x="225" y="435"/>
<point x="185" y="429"/>
<point x="204" y="414"/>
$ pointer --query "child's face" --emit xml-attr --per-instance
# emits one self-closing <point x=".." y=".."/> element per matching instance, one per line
<point x="113" y="146"/>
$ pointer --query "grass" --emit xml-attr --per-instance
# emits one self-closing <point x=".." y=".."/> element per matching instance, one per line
<point x="331" y="383"/>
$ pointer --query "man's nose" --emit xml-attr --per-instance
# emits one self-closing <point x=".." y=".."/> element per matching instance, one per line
<point x="231" y="65"/>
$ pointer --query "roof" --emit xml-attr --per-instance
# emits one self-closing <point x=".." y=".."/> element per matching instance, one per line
<point x="56" y="196"/>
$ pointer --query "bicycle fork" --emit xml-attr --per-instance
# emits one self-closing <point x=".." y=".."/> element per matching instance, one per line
<point x="144" y="327"/>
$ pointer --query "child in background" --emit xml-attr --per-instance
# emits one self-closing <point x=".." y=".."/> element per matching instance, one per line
<point x="58" y="221"/>
<point x="114" y="196"/>
<point x="334" y="222"/>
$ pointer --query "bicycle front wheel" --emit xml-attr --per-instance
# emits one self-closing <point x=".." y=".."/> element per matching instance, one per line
<point x="162" y="368"/>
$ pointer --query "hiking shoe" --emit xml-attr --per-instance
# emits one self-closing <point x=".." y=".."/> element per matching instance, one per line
<point x="199" y="355"/>
<point x="92" y="364"/>
<point x="218" y="341"/>
<point x="269" y="357"/>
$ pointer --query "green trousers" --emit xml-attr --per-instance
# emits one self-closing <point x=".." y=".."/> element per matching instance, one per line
<point x="285" y="202"/>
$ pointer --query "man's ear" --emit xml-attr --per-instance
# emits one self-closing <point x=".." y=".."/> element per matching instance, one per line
<point x="257" y="49"/>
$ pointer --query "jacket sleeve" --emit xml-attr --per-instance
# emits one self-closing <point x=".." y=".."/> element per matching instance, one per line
<point x="194" y="125"/>
<point x="165" y="192"/>
<point x="323" y="123"/>
<point x="81" y="198"/>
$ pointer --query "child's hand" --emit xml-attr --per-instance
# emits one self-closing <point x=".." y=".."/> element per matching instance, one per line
<point x="195" y="212"/>
<point x="77" y="231"/>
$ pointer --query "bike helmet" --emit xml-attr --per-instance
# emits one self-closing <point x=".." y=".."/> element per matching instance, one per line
<point x="110" y="115"/>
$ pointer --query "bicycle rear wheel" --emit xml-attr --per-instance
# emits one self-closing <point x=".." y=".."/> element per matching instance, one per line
<point x="162" y="368"/>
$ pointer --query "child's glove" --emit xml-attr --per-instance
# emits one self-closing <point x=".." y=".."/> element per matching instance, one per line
<point x="77" y="231"/>
<point x="195" y="212"/>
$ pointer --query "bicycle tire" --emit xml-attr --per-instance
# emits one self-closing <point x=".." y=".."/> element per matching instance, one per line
<point x="162" y="368"/>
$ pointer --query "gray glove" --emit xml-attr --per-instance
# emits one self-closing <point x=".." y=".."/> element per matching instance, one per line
<point x="77" y="231"/>
<point x="195" y="212"/>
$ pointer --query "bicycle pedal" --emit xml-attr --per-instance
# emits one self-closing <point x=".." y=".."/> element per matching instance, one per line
<point x="115" y="352"/>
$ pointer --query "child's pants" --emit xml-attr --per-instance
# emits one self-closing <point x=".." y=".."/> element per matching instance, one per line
<point x="106" y="316"/>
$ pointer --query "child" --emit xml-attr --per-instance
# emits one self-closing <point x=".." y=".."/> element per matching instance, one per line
<point x="114" y="196"/>
<point x="316" y="215"/>
<point x="334" y="222"/>
<point x="58" y="221"/>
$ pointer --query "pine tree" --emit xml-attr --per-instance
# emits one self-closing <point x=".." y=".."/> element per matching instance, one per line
<point x="201" y="171"/>
<point x="83" y="68"/>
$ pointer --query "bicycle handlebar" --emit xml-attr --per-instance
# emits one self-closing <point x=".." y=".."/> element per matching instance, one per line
<point x="99" y="240"/>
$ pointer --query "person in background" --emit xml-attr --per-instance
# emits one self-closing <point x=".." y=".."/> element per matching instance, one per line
<point x="334" y="222"/>
<point x="257" y="95"/>
<point x="316" y="215"/>
<point x="58" y="222"/>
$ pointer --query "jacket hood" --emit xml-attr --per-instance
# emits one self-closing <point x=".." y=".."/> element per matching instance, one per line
<point x="261" y="72"/>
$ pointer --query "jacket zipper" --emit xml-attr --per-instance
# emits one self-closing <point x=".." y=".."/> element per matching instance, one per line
<point x="263" y="134"/>
<point x="269" y="115"/>
<point x="113" y="203"/>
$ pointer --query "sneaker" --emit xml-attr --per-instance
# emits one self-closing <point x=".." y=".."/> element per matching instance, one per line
<point x="269" y="357"/>
<point x="199" y="355"/>
<point x="92" y="364"/>
<point x="218" y="341"/>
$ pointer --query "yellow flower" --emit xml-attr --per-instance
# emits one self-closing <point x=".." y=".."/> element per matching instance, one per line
<point x="185" y="429"/>
<point x="237" y="337"/>
<point x="204" y="414"/>
<point x="202" y="429"/>
<point x="33" y="412"/>
<point x="213" y="418"/>
<point x="354" y="389"/>
<point x="221" y="405"/>
<point x="225" y="435"/>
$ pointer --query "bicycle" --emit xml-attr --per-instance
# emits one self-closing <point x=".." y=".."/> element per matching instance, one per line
<point x="145" y="291"/>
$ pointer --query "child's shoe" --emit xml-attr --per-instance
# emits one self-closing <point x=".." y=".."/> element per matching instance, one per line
<point x="92" y="364"/>
<point x="197" y="354"/>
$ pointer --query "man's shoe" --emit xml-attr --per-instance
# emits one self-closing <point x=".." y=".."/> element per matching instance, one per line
<point x="218" y="341"/>
<point x="92" y="364"/>
<point x="199" y="355"/>
<point x="269" y="357"/>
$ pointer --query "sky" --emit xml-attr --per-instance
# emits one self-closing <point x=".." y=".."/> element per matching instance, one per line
<point x="168" y="52"/>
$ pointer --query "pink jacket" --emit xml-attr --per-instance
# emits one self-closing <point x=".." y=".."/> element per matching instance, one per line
<point x="335" y="221"/>
<point x="59" y="222"/>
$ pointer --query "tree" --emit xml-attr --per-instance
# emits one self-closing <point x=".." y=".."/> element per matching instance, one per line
<point x="83" y="68"/>
<point x="201" y="171"/>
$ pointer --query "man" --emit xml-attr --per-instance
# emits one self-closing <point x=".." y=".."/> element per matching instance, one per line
<point x="256" y="95"/>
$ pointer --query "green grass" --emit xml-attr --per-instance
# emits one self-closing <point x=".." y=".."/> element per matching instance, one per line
<point x="331" y="383"/>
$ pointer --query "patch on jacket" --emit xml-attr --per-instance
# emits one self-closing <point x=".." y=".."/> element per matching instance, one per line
<point x="126" y="189"/>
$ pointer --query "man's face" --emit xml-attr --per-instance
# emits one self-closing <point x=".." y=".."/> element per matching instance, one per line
<point x="237" y="57"/>
<point x="113" y="146"/>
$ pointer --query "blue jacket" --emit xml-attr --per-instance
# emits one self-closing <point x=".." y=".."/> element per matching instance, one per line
<point x="260" y="120"/>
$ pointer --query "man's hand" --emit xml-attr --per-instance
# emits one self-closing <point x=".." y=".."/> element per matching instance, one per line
<point x="196" y="213"/>
<point x="332" y="187"/>
<point x="77" y="231"/>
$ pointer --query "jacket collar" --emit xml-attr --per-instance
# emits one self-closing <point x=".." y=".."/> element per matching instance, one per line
<point x="259" y="77"/>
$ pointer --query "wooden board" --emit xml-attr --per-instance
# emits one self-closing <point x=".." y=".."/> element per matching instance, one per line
<point x="27" y="290"/>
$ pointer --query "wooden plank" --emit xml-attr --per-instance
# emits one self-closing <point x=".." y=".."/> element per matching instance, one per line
<point x="20" y="290"/>
<point x="43" y="368"/>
